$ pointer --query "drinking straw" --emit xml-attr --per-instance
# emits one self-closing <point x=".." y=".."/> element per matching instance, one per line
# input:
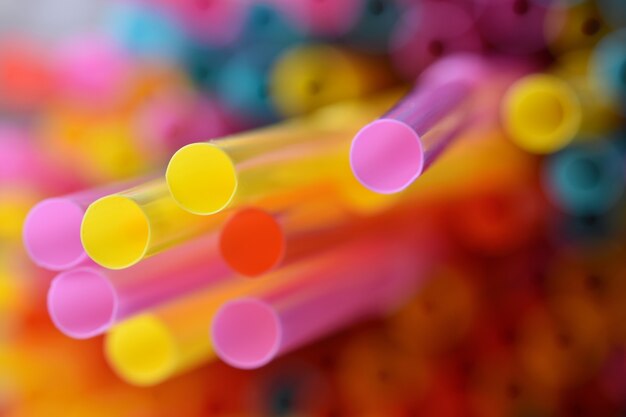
<point x="311" y="76"/>
<point x="152" y="347"/>
<point x="541" y="113"/>
<point x="86" y="301"/>
<point x="372" y="31"/>
<point x="321" y="18"/>
<point x="569" y="27"/>
<point x="51" y="231"/>
<point x="514" y="26"/>
<point x="255" y="239"/>
<point x="428" y="31"/>
<point x="201" y="63"/>
<point x="266" y="24"/>
<point x="390" y="153"/>
<point x="599" y="115"/>
<point x="608" y="67"/>
<point x="613" y="11"/>
<point x="242" y="83"/>
<point x="250" y="332"/>
<point x="121" y="229"/>
<point x="145" y="31"/>
<point x="587" y="178"/>
<point x="204" y="177"/>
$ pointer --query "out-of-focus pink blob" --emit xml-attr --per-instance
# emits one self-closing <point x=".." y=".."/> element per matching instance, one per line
<point x="167" y="124"/>
<point x="22" y="162"/>
<point x="91" y="71"/>
<point x="429" y="31"/>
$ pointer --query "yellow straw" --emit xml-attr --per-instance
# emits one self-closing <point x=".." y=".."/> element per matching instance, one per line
<point x="312" y="76"/>
<point x="541" y="113"/>
<point x="150" y="348"/>
<point x="204" y="177"/>
<point x="121" y="229"/>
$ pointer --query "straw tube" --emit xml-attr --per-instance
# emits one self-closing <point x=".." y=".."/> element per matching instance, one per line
<point x="541" y="113"/>
<point x="390" y="153"/>
<point x="121" y="229"/>
<point x="256" y="239"/>
<point x="250" y="332"/>
<point x="51" y="231"/>
<point x="86" y="301"/>
<point x="204" y="177"/>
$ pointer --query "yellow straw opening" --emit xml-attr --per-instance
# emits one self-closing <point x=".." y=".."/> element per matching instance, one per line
<point x="201" y="178"/>
<point x="541" y="113"/>
<point x="142" y="350"/>
<point x="115" y="232"/>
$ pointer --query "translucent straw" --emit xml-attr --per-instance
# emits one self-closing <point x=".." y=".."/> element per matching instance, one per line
<point x="52" y="228"/>
<point x="541" y="113"/>
<point x="250" y="332"/>
<point x="204" y="177"/>
<point x="121" y="229"/>
<point x="86" y="301"/>
<point x="152" y="347"/>
<point x="390" y="153"/>
<point x="254" y="240"/>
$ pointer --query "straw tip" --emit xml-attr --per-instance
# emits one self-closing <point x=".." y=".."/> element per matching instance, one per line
<point x="82" y="303"/>
<point x="51" y="234"/>
<point x="201" y="178"/>
<point x="246" y="333"/>
<point x="252" y="242"/>
<point x="141" y="350"/>
<point x="387" y="156"/>
<point x="115" y="232"/>
<point x="541" y="113"/>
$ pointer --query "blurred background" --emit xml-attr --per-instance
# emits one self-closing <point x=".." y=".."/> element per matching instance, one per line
<point x="525" y="317"/>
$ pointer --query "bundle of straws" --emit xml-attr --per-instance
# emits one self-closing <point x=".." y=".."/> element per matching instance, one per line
<point x="397" y="207"/>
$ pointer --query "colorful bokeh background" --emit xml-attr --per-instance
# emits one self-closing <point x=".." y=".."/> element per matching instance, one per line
<point x="525" y="316"/>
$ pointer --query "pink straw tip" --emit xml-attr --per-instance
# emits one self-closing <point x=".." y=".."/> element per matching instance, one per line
<point x="82" y="303"/>
<point x="52" y="234"/>
<point x="246" y="333"/>
<point x="387" y="156"/>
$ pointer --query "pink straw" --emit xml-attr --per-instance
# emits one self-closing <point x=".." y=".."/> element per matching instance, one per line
<point x="52" y="227"/>
<point x="390" y="153"/>
<point x="87" y="301"/>
<point x="248" y="333"/>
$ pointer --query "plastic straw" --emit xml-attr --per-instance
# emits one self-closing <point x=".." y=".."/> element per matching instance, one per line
<point x="121" y="229"/>
<point x="86" y="301"/>
<point x="52" y="228"/>
<point x="586" y="179"/>
<point x="309" y="77"/>
<point x="249" y="332"/>
<point x="390" y="153"/>
<point x="204" y="177"/>
<point x="541" y="113"/>
<point x="256" y="239"/>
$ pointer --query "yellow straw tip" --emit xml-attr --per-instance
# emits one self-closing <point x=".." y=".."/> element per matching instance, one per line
<point x="541" y="113"/>
<point x="202" y="178"/>
<point x="115" y="232"/>
<point x="142" y="350"/>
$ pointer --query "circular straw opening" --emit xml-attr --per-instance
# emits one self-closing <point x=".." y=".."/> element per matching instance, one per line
<point x="115" y="232"/>
<point x="201" y="178"/>
<point x="246" y="333"/>
<point x="82" y="303"/>
<point x="252" y="242"/>
<point x="52" y="234"/>
<point x="541" y="113"/>
<point x="387" y="156"/>
<point x="142" y="350"/>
